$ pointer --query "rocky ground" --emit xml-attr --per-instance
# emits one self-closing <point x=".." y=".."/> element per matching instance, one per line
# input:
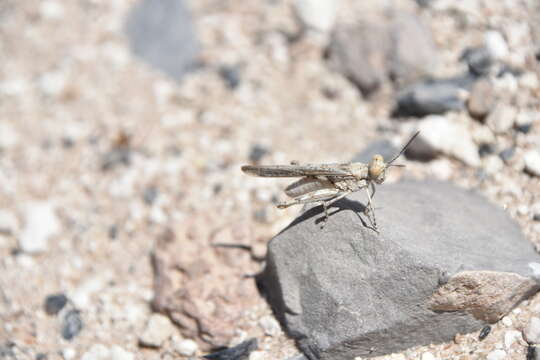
<point x="120" y="184"/>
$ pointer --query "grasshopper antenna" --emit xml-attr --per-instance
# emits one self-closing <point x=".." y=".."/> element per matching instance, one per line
<point x="388" y="164"/>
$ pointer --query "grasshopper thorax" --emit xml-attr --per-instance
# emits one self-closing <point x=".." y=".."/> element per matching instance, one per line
<point x="376" y="169"/>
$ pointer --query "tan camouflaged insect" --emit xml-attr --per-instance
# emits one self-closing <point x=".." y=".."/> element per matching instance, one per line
<point x="327" y="183"/>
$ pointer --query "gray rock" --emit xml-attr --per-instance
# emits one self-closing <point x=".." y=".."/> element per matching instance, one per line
<point x="481" y="99"/>
<point x="432" y="96"/>
<point x="360" y="54"/>
<point x="382" y="147"/>
<point x="413" y="52"/>
<point x="162" y="34"/>
<point x="345" y="291"/>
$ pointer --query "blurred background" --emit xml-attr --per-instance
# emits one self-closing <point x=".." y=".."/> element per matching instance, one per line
<point x="123" y="126"/>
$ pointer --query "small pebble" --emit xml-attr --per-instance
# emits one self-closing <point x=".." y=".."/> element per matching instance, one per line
<point x="525" y="119"/>
<point x="535" y="209"/>
<point x="69" y="353"/>
<point x="9" y="224"/>
<point x="496" y="45"/>
<point x="97" y="352"/>
<point x="231" y="75"/>
<point x="72" y="324"/>
<point x="9" y="137"/>
<point x="493" y="164"/>
<point x="239" y="351"/>
<point x="317" y="15"/>
<point x="53" y="83"/>
<point x="481" y="99"/>
<point x="149" y="195"/>
<point x="507" y="154"/>
<point x="506" y="321"/>
<point x="257" y="355"/>
<point x="55" y="303"/>
<point x="185" y="347"/>
<point x="51" y="10"/>
<point x="502" y="118"/>
<point x="257" y="152"/>
<point x="532" y="162"/>
<point x="158" y="329"/>
<point x="269" y="325"/>
<point x="496" y="355"/>
<point x="119" y="353"/>
<point x="41" y="223"/>
<point x="510" y="337"/>
<point x="531" y="332"/>
<point x="428" y="356"/>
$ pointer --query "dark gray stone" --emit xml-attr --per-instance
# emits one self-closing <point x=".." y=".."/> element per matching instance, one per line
<point x="381" y="147"/>
<point x="344" y="291"/>
<point x="161" y="33"/>
<point x="72" y="324"/>
<point x="432" y="96"/>
<point x="55" y="303"/>
<point x="238" y="352"/>
<point x="479" y="60"/>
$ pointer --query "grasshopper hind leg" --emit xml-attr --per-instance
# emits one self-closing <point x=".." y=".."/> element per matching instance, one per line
<point x="325" y="200"/>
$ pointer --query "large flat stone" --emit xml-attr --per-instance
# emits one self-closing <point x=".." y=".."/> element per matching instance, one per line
<point x="440" y="266"/>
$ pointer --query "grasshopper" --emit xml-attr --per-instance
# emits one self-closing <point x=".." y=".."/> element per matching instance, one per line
<point x="328" y="183"/>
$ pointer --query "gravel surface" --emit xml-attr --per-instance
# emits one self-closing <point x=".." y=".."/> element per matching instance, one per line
<point x="101" y="155"/>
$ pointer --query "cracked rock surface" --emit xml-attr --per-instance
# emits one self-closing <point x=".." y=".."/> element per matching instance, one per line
<point x="344" y="291"/>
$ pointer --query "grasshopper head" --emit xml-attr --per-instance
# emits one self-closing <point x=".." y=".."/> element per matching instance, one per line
<point x="376" y="169"/>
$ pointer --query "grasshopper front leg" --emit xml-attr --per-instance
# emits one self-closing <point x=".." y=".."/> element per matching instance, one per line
<point x="369" y="206"/>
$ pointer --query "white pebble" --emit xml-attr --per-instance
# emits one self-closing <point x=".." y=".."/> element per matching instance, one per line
<point x="9" y="224"/>
<point x="9" y="137"/>
<point x="439" y="134"/>
<point x="496" y="45"/>
<point x="53" y="83"/>
<point x="97" y="352"/>
<point x="118" y="353"/>
<point x="529" y="80"/>
<point x="316" y="14"/>
<point x="532" y="162"/>
<point x="257" y="355"/>
<point x="41" y="223"/>
<point x="493" y="164"/>
<point x="69" y="353"/>
<point x="51" y="10"/>
<point x="510" y="337"/>
<point x="428" y="356"/>
<point x="269" y="325"/>
<point x="185" y="347"/>
<point x="506" y="321"/>
<point x="13" y="87"/>
<point x="531" y="333"/>
<point x="496" y="355"/>
<point x="158" y="330"/>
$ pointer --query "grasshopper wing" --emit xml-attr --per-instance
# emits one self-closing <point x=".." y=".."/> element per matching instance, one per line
<point x="337" y="170"/>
